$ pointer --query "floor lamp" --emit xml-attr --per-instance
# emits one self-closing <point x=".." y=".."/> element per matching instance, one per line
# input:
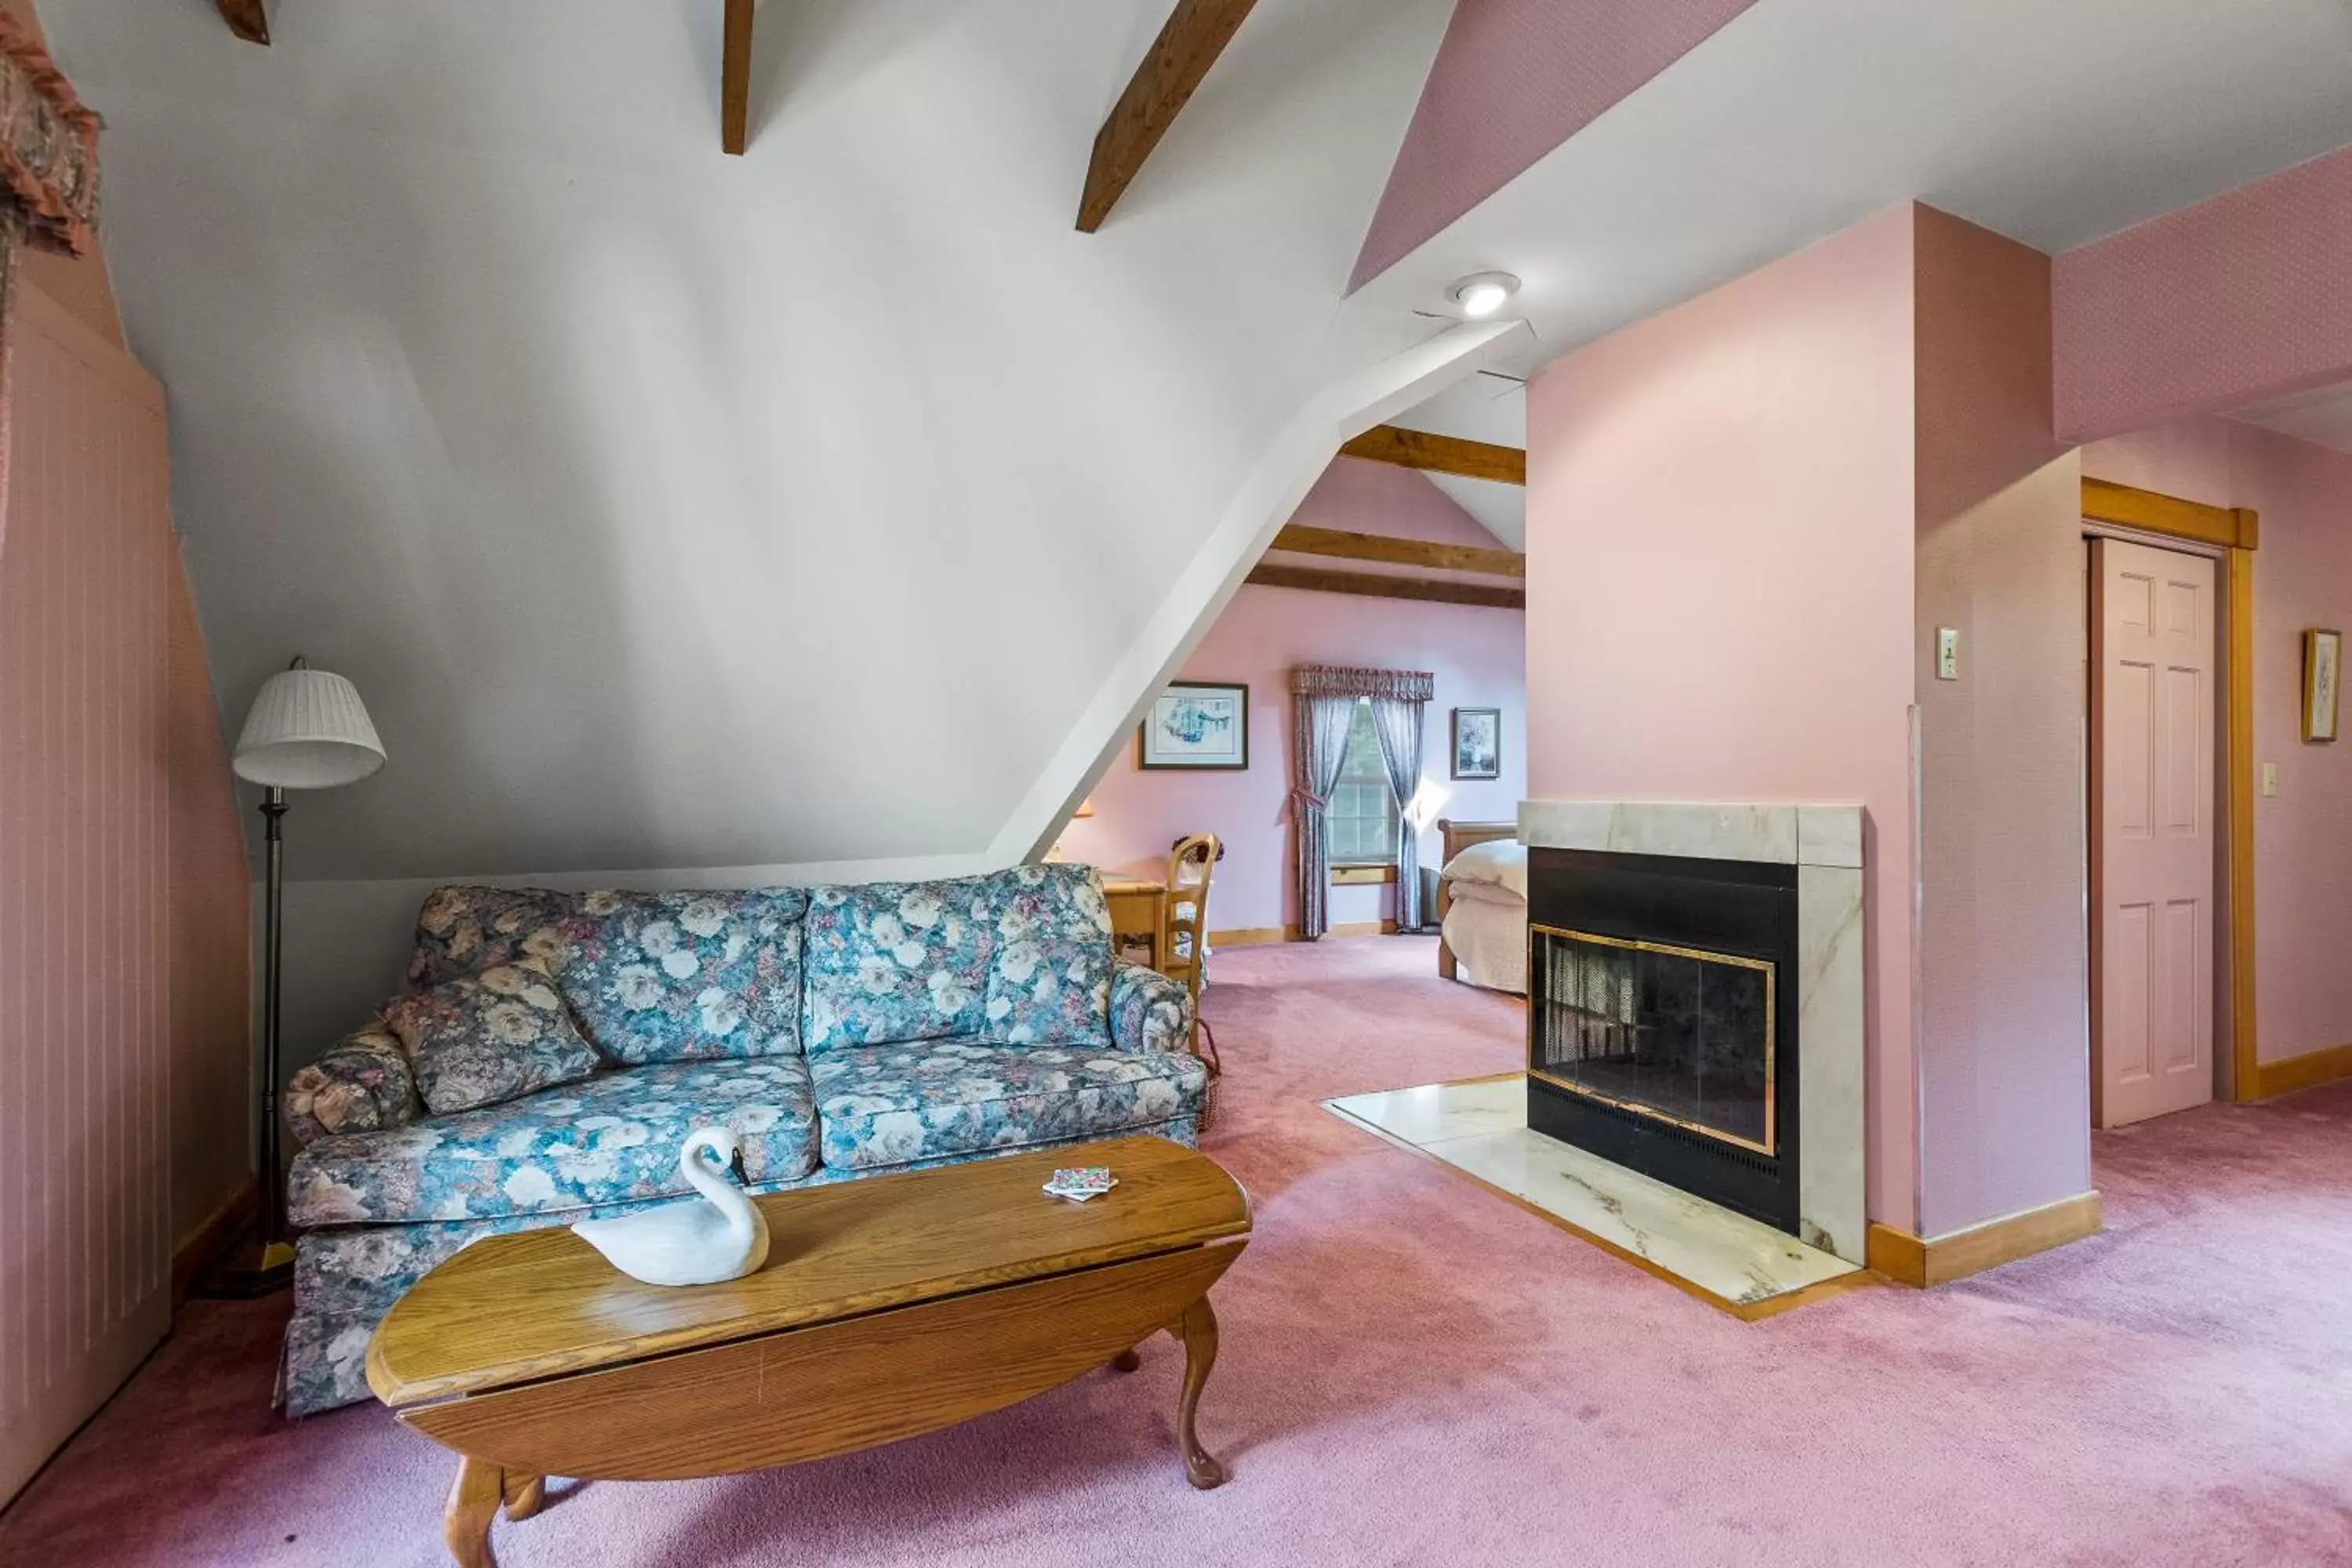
<point x="306" y="729"/>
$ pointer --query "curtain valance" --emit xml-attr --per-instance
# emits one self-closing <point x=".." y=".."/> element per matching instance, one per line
<point x="48" y="149"/>
<point x="1336" y="680"/>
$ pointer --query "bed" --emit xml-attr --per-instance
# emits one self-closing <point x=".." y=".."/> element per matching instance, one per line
<point x="1481" y="906"/>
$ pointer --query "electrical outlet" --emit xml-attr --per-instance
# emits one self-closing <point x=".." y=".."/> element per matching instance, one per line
<point x="1948" y="653"/>
<point x="2270" y="778"/>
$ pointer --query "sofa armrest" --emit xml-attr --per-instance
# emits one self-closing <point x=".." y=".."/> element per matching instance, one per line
<point x="1149" y="1012"/>
<point x="363" y="1084"/>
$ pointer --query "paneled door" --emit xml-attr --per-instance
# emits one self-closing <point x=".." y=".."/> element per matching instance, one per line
<point x="2152" y="671"/>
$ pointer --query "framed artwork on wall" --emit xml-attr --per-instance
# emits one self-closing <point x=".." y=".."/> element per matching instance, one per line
<point x="1477" y="742"/>
<point x="1196" y="724"/>
<point x="2323" y="662"/>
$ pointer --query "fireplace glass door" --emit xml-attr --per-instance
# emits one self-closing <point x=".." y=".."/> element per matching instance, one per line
<point x="1675" y="1033"/>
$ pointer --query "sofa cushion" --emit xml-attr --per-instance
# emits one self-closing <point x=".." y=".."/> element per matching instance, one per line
<point x="486" y="1038"/>
<point x="1049" y="979"/>
<point x="609" y="1139"/>
<point x="897" y="961"/>
<point x="669" y="977"/>
<point x="463" y="930"/>
<point x="887" y="1105"/>
<point x="362" y="1083"/>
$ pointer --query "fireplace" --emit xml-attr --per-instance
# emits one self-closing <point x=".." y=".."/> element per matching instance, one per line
<point x="1661" y="1019"/>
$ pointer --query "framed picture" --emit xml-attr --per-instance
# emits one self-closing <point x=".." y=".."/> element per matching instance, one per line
<point x="1196" y="724"/>
<point x="2323" y="664"/>
<point x="1477" y="742"/>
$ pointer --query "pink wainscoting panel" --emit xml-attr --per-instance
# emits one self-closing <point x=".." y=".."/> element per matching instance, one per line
<point x="2303" y="577"/>
<point x="86" y="565"/>
<point x="1719" y="581"/>
<point x="211" y="938"/>
<point x="1479" y="655"/>
<point x="2225" y="303"/>
<point x="1515" y="78"/>
<point x="2003" y="1050"/>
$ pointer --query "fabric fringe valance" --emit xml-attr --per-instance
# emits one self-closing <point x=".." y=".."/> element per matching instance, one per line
<point x="48" y="149"/>
<point x="1335" y="680"/>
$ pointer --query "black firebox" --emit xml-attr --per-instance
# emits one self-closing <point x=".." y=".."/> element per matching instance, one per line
<point x="1661" y="1019"/>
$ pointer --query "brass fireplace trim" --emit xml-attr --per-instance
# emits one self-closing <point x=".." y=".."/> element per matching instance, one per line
<point x="1771" y="1035"/>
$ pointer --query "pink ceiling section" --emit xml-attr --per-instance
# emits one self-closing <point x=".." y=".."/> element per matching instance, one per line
<point x="1513" y="79"/>
<point x="2235" y="299"/>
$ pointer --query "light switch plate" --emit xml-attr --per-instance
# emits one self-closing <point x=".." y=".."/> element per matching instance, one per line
<point x="1948" y="653"/>
<point x="2270" y="778"/>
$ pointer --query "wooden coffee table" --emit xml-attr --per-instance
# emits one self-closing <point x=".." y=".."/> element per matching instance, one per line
<point x="888" y="1306"/>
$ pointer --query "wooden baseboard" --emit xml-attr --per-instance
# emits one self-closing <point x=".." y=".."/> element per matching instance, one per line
<point x="1909" y="1261"/>
<point x="1247" y="936"/>
<point x="2301" y="1072"/>
<point x="1345" y="928"/>
<point x="195" y="1257"/>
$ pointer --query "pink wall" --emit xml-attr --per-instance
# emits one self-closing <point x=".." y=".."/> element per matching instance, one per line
<point x="2303" y="577"/>
<point x="2002" y="1050"/>
<point x="1513" y="80"/>
<point x="1479" y="655"/>
<point x="1720" y="508"/>
<point x="2219" y="305"/>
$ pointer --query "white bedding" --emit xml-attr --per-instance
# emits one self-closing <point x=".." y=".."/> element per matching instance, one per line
<point x="1486" y="924"/>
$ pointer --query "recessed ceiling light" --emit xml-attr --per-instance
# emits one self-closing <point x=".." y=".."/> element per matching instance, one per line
<point x="1482" y="294"/>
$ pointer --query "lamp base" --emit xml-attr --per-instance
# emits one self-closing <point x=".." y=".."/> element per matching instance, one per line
<point x="253" y="1269"/>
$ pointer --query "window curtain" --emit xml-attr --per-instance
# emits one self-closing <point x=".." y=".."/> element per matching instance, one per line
<point x="1397" y="724"/>
<point x="1323" y="706"/>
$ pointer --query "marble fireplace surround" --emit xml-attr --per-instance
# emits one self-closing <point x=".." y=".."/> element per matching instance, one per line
<point x="1824" y="843"/>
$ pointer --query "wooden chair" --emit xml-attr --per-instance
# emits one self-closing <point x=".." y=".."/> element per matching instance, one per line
<point x="1184" y="929"/>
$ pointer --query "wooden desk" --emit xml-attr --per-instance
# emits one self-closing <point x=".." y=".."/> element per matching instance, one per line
<point x="889" y="1306"/>
<point x="1138" y="911"/>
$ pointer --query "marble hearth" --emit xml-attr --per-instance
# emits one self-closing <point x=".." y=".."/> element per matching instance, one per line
<point x="1823" y="844"/>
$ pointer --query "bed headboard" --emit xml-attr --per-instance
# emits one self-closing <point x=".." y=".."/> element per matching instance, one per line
<point x="1460" y="836"/>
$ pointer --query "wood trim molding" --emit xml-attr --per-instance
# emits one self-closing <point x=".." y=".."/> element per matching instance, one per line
<point x="2246" y="1078"/>
<point x="1345" y="928"/>
<point x="2236" y="528"/>
<point x="735" y="76"/>
<point x="1440" y="454"/>
<point x="1381" y="547"/>
<point x="1366" y="584"/>
<point x="246" y="20"/>
<point x="1362" y="876"/>
<point x="1248" y="936"/>
<point x="1909" y="1261"/>
<point x="2305" y="1071"/>
<point x="1195" y="34"/>
<point x="194" y="1259"/>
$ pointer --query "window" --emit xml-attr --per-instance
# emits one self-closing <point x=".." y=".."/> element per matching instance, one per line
<point x="1361" y="823"/>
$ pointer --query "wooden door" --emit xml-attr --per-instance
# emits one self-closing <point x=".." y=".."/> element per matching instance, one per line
<point x="2152" y="677"/>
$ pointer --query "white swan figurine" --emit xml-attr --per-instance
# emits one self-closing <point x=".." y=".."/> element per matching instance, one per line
<point x="721" y="1235"/>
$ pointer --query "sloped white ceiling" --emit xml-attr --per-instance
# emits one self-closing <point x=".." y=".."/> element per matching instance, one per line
<point x="1485" y="406"/>
<point x="675" y="510"/>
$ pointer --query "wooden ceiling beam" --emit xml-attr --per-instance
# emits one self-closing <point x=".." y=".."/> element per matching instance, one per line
<point x="734" y="78"/>
<point x="1440" y="454"/>
<point x="246" y="20"/>
<point x="1196" y="33"/>
<point x="1369" y="585"/>
<point x="1393" y="551"/>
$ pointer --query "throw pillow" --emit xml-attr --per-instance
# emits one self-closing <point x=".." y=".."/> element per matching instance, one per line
<point x="673" y="977"/>
<point x="1049" y="982"/>
<point x="464" y="930"/>
<point x="490" y="1037"/>
<point x="898" y="961"/>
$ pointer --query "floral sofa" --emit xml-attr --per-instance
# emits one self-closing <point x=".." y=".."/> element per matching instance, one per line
<point x="552" y="1051"/>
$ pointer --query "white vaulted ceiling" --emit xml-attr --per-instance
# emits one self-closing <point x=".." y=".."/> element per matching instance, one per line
<point x="2052" y="123"/>
<point x="674" y="510"/>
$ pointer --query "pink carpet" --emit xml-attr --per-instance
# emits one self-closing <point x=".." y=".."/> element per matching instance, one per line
<point x="1416" y="1372"/>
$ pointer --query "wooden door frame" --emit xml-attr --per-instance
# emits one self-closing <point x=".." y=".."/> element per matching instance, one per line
<point x="2233" y="534"/>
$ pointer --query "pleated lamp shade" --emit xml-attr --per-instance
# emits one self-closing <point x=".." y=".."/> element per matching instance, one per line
<point x="307" y="729"/>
